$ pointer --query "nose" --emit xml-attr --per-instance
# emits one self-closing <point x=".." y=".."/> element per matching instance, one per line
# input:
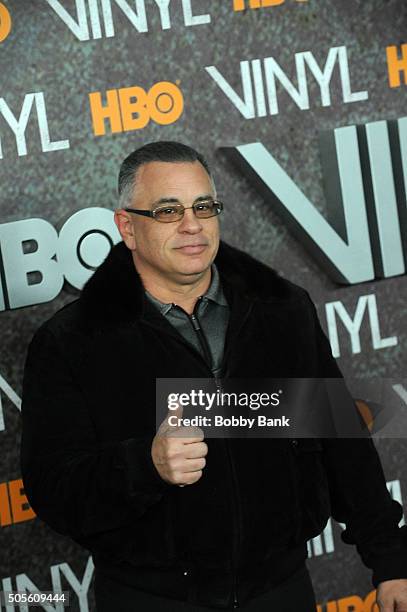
<point x="190" y="223"/>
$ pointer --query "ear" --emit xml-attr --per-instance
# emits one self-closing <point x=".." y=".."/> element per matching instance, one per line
<point x="126" y="228"/>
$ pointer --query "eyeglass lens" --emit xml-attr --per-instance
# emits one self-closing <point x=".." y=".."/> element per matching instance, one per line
<point x="173" y="212"/>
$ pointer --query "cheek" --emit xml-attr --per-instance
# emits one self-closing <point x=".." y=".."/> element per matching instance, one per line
<point x="163" y="241"/>
<point x="214" y="230"/>
<point x="155" y="238"/>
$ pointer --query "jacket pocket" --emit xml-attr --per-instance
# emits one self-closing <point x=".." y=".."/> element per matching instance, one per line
<point x="311" y="485"/>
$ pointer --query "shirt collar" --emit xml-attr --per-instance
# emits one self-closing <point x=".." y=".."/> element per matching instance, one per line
<point x="214" y="293"/>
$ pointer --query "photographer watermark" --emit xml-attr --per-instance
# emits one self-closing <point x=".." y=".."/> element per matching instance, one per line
<point x="289" y="407"/>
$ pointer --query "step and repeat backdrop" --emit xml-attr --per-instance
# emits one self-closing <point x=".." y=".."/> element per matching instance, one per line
<point x="299" y="107"/>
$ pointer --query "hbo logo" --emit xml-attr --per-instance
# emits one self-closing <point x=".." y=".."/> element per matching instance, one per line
<point x="131" y="108"/>
<point x="36" y="260"/>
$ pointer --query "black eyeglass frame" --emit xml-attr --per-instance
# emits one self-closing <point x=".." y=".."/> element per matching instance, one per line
<point x="152" y="213"/>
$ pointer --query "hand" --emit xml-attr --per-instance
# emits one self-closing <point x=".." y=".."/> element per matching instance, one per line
<point x="391" y="595"/>
<point x="178" y="453"/>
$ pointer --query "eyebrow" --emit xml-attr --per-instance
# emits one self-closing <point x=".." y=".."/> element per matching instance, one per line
<point x="208" y="196"/>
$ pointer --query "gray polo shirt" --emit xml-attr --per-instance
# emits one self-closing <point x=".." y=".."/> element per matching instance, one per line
<point x="212" y="312"/>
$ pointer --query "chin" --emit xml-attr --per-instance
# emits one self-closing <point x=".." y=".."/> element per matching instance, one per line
<point x="195" y="267"/>
<point x="190" y="270"/>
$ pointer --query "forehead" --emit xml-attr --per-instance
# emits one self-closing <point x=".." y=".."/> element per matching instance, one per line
<point x="155" y="180"/>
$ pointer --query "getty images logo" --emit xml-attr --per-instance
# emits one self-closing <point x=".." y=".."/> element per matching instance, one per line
<point x="365" y="168"/>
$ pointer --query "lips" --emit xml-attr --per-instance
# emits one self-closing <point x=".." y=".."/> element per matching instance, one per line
<point x="192" y="249"/>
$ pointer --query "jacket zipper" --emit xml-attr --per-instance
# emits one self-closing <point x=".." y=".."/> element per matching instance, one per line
<point x="199" y="332"/>
<point x="237" y="500"/>
<point x="218" y="382"/>
<point x="236" y="539"/>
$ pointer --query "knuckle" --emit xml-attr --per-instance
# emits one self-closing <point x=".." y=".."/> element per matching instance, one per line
<point x="191" y="477"/>
<point x="171" y="452"/>
<point x="171" y="470"/>
<point x="176" y="477"/>
<point x="176" y="464"/>
<point x="166" y="455"/>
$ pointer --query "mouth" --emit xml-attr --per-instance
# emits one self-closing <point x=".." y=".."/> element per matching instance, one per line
<point x="192" y="249"/>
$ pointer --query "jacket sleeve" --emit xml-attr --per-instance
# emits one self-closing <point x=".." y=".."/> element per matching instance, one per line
<point x="75" y="486"/>
<point x="358" y="491"/>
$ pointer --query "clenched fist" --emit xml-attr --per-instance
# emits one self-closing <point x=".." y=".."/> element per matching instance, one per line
<point x="179" y="453"/>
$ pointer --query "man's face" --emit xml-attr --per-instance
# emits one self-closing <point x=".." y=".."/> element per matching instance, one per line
<point x="184" y="249"/>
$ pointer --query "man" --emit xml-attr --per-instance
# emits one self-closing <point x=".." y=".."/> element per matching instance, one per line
<point x="183" y="523"/>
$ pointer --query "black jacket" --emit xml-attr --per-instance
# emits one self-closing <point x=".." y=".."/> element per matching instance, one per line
<point x="88" y="418"/>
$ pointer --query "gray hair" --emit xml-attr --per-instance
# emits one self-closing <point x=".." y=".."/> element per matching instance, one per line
<point x="165" y="151"/>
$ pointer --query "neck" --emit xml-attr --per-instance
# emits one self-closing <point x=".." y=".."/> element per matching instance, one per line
<point x="168" y="290"/>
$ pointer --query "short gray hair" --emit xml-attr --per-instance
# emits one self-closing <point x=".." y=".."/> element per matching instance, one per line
<point x="164" y="151"/>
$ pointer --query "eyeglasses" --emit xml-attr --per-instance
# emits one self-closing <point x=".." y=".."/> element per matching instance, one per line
<point x="168" y="213"/>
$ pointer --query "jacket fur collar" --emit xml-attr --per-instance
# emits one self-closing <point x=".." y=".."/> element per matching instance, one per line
<point x="115" y="291"/>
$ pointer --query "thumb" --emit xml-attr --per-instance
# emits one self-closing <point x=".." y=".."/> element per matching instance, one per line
<point x="166" y="426"/>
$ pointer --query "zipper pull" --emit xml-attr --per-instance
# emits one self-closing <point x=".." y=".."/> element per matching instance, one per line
<point x="218" y="383"/>
<point x="195" y="322"/>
